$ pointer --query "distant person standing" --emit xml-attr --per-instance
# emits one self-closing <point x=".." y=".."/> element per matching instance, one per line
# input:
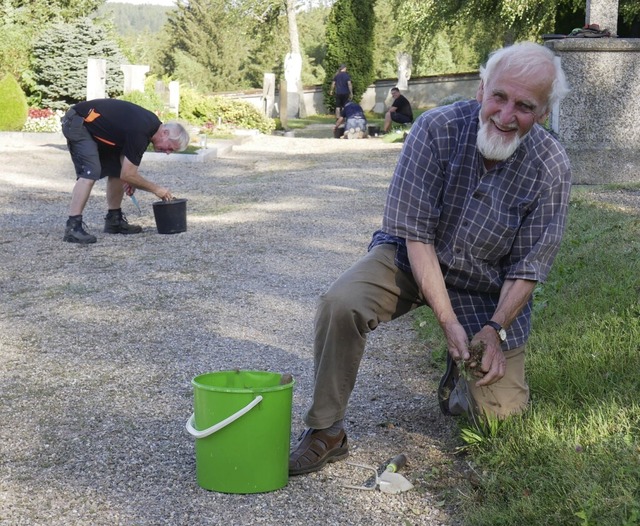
<point x="342" y="87"/>
<point x="399" y="112"/>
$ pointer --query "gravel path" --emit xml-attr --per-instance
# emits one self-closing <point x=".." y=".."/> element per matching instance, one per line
<point x="99" y="344"/>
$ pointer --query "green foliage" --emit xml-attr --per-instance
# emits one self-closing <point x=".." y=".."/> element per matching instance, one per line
<point x="350" y="30"/>
<point x="38" y="13"/>
<point x="15" y="47"/>
<point x="14" y="108"/>
<point x="311" y="25"/>
<point x="60" y="62"/>
<point x="208" y="48"/>
<point x="214" y="113"/>
<point x="132" y="19"/>
<point x="147" y="99"/>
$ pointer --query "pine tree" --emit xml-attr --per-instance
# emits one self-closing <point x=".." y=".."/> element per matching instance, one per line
<point x="350" y="41"/>
<point x="207" y="37"/>
<point x="60" y="62"/>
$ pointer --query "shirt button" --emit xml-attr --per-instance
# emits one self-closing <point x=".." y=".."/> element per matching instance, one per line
<point x="458" y="250"/>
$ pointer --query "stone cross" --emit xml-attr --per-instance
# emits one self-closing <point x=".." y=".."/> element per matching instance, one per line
<point x="604" y="13"/>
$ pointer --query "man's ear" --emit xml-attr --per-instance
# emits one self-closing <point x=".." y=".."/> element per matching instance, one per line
<point x="543" y="117"/>
<point x="480" y="91"/>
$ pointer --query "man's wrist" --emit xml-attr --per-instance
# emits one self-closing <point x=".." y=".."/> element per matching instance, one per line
<point x="502" y="334"/>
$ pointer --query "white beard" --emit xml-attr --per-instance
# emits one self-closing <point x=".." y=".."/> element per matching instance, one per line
<point x="493" y="147"/>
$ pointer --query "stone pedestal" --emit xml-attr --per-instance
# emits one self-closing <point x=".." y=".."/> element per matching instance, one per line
<point x="598" y="121"/>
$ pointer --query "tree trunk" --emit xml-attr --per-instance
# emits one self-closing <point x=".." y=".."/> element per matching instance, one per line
<point x="295" y="52"/>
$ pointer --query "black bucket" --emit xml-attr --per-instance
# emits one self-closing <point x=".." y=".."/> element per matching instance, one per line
<point x="171" y="216"/>
<point x="373" y="131"/>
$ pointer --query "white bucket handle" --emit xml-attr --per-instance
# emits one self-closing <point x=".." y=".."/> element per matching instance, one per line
<point x="223" y="423"/>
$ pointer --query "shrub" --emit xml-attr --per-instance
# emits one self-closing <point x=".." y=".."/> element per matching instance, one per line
<point x="214" y="113"/>
<point x="148" y="100"/>
<point x="14" y="107"/>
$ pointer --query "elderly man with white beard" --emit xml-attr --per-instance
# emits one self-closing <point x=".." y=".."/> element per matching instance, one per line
<point x="473" y="220"/>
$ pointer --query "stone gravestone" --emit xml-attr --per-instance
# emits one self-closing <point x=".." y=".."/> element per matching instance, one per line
<point x="598" y="121"/>
<point x="174" y="97"/>
<point x="269" y="93"/>
<point x="96" y="78"/>
<point x="134" y="77"/>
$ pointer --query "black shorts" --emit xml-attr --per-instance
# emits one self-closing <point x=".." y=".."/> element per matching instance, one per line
<point x="91" y="159"/>
<point x="400" y="117"/>
<point x="342" y="99"/>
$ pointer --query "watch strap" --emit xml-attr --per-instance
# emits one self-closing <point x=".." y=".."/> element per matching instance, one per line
<point x="498" y="328"/>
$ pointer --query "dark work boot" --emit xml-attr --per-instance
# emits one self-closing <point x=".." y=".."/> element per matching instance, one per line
<point x="75" y="232"/>
<point x="115" y="222"/>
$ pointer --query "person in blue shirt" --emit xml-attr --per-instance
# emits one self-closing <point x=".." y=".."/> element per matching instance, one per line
<point x="343" y="88"/>
<point x="473" y="220"/>
<point x="355" y="123"/>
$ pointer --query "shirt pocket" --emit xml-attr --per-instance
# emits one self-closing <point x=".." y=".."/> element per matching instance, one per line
<point x="492" y="227"/>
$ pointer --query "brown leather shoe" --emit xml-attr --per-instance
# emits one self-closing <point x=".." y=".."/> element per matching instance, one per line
<point x="315" y="448"/>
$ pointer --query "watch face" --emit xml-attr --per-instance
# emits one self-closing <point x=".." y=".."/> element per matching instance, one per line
<point x="502" y="334"/>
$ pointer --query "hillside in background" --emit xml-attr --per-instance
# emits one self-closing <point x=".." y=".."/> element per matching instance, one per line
<point x="131" y="20"/>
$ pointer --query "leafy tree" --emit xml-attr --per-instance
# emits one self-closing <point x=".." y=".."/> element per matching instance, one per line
<point x="312" y="24"/>
<point x="60" y="62"/>
<point x="15" y="47"/>
<point x="211" y="36"/>
<point x="39" y="12"/>
<point x="350" y="40"/>
<point x="489" y="24"/>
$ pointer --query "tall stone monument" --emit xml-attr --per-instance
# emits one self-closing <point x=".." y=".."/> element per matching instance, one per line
<point x="96" y="78"/>
<point x="292" y="76"/>
<point x="598" y="121"/>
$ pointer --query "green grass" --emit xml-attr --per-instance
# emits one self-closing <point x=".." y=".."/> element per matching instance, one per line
<point x="574" y="457"/>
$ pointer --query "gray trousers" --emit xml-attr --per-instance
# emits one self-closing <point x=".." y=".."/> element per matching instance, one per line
<point x="372" y="291"/>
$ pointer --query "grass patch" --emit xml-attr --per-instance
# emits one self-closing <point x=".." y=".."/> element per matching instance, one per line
<point x="574" y="457"/>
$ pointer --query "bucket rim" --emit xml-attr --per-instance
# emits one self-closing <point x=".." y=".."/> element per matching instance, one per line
<point x="172" y="202"/>
<point x="241" y="390"/>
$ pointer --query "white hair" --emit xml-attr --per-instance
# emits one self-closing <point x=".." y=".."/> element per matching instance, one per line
<point x="530" y="60"/>
<point x="178" y="134"/>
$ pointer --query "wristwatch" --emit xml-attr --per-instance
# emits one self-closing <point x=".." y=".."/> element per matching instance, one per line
<point x="502" y="334"/>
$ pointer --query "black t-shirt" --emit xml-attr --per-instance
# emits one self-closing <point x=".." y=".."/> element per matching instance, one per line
<point x="403" y="106"/>
<point x="342" y="79"/>
<point x="119" y="125"/>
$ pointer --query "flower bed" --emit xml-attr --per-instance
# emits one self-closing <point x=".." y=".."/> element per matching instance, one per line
<point x="43" y="120"/>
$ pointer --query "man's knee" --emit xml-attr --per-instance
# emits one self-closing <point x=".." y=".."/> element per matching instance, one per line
<point x="509" y="395"/>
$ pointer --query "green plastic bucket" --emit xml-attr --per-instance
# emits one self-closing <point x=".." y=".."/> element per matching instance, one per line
<point x="242" y="425"/>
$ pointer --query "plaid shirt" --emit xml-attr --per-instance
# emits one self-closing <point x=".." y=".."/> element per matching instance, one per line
<point x="486" y="226"/>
